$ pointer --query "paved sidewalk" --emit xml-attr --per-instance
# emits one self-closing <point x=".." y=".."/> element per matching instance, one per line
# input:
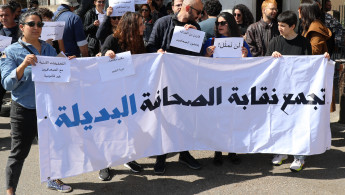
<point x="323" y="174"/>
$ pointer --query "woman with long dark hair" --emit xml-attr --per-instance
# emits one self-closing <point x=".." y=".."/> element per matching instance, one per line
<point x="243" y="17"/>
<point x="315" y="31"/>
<point x="128" y="36"/>
<point x="145" y="12"/>
<point x="313" y="27"/>
<point x="16" y="77"/>
<point x="226" y="26"/>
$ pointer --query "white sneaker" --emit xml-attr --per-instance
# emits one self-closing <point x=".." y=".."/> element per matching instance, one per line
<point x="296" y="165"/>
<point x="278" y="159"/>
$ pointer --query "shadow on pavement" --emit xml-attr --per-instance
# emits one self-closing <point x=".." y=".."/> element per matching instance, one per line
<point x="5" y="143"/>
<point x="329" y="165"/>
<point x="5" y="126"/>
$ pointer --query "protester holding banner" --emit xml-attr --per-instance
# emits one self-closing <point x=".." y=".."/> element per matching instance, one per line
<point x="128" y="36"/>
<point x="288" y="43"/>
<point x="226" y="26"/>
<point x="93" y="18"/>
<point x="16" y="77"/>
<point x="315" y="30"/>
<point x="160" y="42"/>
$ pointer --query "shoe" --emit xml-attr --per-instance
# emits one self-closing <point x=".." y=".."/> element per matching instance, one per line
<point x="297" y="165"/>
<point x="58" y="185"/>
<point x="218" y="158"/>
<point x="189" y="160"/>
<point x="234" y="158"/>
<point x="278" y="159"/>
<point x="134" y="166"/>
<point x="104" y="174"/>
<point x="159" y="168"/>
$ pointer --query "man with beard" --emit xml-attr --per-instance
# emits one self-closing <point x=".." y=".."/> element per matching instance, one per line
<point x="160" y="42"/>
<point x="259" y="34"/>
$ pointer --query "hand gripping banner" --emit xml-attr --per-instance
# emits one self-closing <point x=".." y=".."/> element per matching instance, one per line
<point x="174" y="103"/>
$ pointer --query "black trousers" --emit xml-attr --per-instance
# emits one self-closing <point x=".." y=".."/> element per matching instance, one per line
<point x="23" y="132"/>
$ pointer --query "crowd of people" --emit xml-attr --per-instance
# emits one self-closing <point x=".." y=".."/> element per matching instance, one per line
<point x="93" y="31"/>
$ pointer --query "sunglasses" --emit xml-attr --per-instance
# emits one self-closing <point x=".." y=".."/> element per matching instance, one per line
<point x="144" y="10"/>
<point x="222" y="23"/>
<point x="197" y="11"/>
<point x="32" y="24"/>
<point x="101" y="2"/>
<point x="239" y="15"/>
<point x="116" y="17"/>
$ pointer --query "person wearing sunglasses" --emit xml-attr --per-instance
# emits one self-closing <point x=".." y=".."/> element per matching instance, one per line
<point x="260" y="33"/>
<point x="16" y="77"/>
<point x="243" y="17"/>
<point x="160" y="42"/>
<point x="226" y="26"/>
<point x="145" y="12"/>
<point x="93" y="18"/>
<point x="108" y="25"/>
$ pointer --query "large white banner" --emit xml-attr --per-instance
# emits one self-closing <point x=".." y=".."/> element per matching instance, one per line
<point x="176" y="103"/>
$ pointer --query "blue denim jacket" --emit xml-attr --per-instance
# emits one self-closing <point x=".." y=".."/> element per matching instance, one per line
<point x="23" y="90"/>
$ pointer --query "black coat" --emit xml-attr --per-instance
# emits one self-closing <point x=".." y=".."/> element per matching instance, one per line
<point x="90" y="30"/>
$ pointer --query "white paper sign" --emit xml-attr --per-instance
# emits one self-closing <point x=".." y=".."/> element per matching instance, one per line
<point x="119" y="67"/>
<point x="101" y="18"/>
<point x="52" y="30"/>
<point x="140" y="1"/>
<point x="51" y="69"/>
<point x="228" y="47"/>
<point x="4" y="42"/>
<point x="190" y="39"/>
<point x="120" y="7"/>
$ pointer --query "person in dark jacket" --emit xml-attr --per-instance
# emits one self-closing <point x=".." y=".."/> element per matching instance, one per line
<point x="93" y="18"/>
<point x="259" y="34"/>
<point x="128" y="36"/>
<point x="145" y="12"/>
<point x="160" y="42"/>
<point x="243" y="17"/>
<point x="108" y="25"/>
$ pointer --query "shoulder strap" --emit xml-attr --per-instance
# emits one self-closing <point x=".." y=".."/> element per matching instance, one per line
<point x="26" y="47"/>
<point x="59" y="13"/>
